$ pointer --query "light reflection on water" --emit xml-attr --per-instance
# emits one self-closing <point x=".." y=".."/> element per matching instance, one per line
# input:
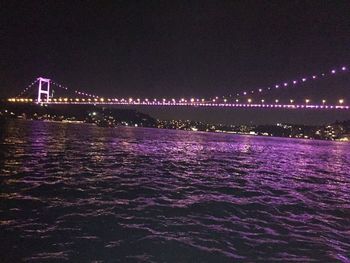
<point x="83" y="193"/>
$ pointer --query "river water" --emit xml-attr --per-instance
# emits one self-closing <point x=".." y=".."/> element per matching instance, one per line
<point x="80" y="193"/>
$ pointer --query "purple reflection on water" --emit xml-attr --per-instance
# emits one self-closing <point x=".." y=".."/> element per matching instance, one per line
<point x="164" y="195"/>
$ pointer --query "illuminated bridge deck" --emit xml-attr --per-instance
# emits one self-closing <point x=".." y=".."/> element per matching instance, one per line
<point x="186" y="104"/>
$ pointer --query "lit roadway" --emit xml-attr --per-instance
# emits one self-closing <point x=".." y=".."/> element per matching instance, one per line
<point x="174" y="103"/>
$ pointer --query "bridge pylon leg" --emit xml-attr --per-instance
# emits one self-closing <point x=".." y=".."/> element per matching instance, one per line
<point x="44" y="89"/>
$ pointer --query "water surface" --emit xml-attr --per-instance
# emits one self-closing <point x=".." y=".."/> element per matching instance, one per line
<point x="81" y="193"/>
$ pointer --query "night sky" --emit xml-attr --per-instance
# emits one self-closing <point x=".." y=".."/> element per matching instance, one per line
<point x="177" y="48"/>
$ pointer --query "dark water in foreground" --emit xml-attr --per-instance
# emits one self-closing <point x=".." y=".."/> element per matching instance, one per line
<point x="88" y="194"/>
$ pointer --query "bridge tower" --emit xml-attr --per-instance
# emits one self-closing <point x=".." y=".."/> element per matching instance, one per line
<point x="44" y="89"/>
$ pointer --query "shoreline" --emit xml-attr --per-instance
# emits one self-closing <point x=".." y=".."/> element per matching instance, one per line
<point x="185" y="130"/>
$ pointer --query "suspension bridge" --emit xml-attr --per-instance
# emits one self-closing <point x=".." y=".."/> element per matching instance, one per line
<point x="45" y="94"/>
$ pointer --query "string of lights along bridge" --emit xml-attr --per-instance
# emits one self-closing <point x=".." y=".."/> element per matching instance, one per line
<point x="45" y="95"/>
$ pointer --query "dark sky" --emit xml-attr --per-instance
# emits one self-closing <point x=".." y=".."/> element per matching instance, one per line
<point x="171" y="48"/>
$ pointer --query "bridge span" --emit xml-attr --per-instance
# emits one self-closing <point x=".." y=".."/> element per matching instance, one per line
<point x="246" y="99"/>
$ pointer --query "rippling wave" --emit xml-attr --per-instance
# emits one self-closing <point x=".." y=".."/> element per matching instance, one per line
<point x="75" y="192"/>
